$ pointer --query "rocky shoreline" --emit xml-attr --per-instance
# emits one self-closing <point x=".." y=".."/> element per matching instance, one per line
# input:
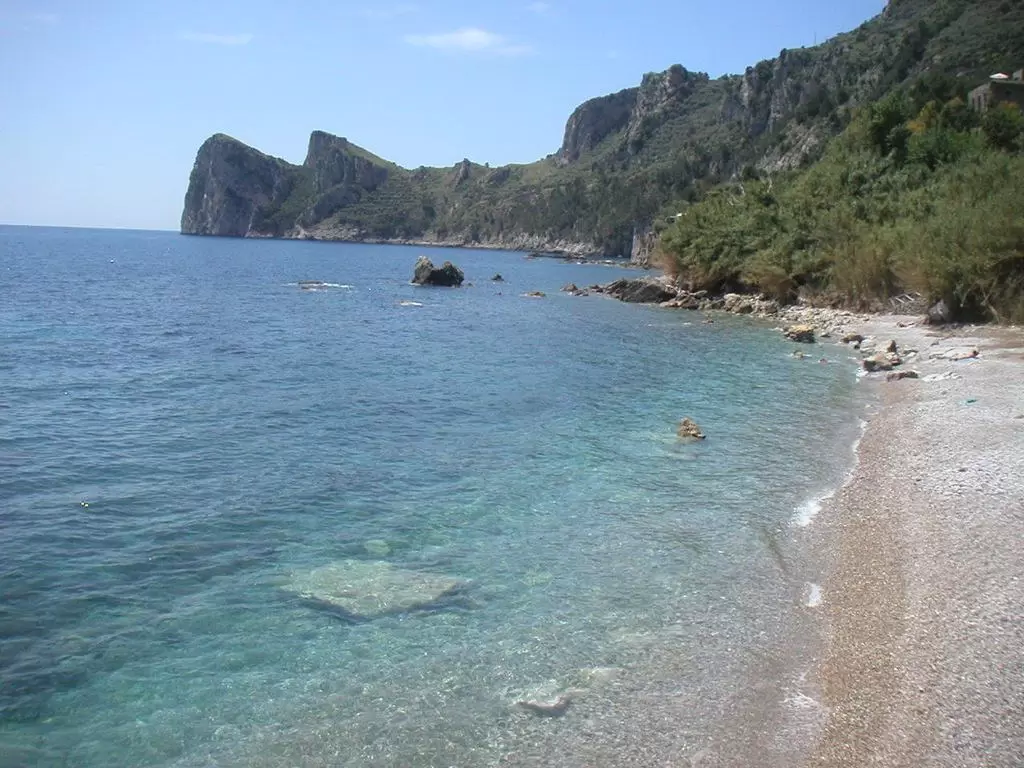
<point x="923" y="596"/>
<point x="924" y="662"/>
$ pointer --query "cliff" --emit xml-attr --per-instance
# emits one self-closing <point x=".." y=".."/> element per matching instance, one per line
<point x="627" y="161"/>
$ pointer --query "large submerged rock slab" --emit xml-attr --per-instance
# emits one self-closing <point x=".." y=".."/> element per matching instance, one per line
<point x="362" y="589"/>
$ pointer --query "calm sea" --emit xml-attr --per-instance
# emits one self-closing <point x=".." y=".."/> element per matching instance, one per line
<point x="182" y="430"/>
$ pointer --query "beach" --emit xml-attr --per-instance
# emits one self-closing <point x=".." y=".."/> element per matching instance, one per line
<point x="924" y="662"/>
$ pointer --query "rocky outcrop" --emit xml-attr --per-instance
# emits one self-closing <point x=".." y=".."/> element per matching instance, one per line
<point x="645" y="241"/>
<point x="661" y="95"/>
<point x="231" y="186"/>
<point x="594" y="120"/>
<point x="803" y="334"/>
<point x="641" y="290"/>
<point x="447" y="275"/>
<point x="689" y="429"/>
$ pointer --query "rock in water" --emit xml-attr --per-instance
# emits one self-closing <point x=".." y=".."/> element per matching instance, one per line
<point x="550" y="708"/>
<point x="689" y="428"/>
<point x="448" y="275"/>
<point x="641" y="290"/>
<point x="364" y="590"/>
<point x="498" y="278"/>
<point x="801" y="333"/>
<point x="570" y="288"/>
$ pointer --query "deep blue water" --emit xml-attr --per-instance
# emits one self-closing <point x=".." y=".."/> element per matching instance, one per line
<point x="226" y="429"/>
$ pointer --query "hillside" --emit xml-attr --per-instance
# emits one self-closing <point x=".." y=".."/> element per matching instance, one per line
<point x="626" y="159"/>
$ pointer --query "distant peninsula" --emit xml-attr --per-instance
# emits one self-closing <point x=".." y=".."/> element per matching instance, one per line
<point x="628" y="161"/>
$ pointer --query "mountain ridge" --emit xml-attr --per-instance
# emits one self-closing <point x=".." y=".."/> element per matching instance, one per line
<point x="625" y="157"/>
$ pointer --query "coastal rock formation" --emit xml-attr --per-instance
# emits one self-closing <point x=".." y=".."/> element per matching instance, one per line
<point x="623" y="156"/>
<point x="230" y="187"/>
<point x="364" y="590"/>
<point x="881" y="361"/>
<point x="640" y="290"/>
<point x="447" y="275"/>
<point x="800" y="333"/>
<point x="688" y="428"/>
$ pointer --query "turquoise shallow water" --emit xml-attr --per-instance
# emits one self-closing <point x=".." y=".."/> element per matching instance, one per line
<point x="227" y="429"/>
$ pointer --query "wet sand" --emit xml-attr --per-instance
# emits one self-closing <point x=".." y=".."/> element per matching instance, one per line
<point x="925" y="592"/>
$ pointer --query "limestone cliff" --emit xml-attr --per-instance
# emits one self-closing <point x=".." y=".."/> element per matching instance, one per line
<point x="594" y="120"/>
<point x="231" y="184"/>
<point x="627" y="160"/>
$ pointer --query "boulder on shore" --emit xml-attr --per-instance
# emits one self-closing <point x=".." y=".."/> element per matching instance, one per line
<point x="939" y="314"/>
<point x="690" y="429"/>
<point x="898" y="375"/>
<point x="883" y="361"/>
<point x="447" y="275"/>
<point x="800" y="333"/>
<point x="360" y="590"/>
<point x="640" y="290"/>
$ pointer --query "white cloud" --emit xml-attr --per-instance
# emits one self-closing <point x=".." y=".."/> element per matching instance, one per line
<point x="387" y="13"/>
<point x="469" y="40"/>
<point x="541" y="9"/>
<point x="43" y="18"/>
<point x="243" y="38"/>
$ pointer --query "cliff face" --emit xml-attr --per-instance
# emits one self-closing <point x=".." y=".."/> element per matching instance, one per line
<point x="626" y="159"/>
<point x="230" y="184"/>
<point x="594" y="120"/>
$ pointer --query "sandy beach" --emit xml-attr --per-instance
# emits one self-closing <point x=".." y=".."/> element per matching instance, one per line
<point x="925" y="592"/>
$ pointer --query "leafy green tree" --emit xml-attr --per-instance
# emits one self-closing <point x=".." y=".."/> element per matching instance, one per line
<point x="1003" y="126"/>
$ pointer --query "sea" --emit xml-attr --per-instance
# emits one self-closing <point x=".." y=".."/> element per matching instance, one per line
<point x="185" y="430"/>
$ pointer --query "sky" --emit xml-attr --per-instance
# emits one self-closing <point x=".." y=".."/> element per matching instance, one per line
<point x="103" y="103"/>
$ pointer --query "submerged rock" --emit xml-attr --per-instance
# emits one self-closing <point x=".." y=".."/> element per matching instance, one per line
<point x="555" y="707"/>
<point x="534" y="295"/>
<point x="360" y="589"/>
<point x="800" y="333"/>
<point x="447" y="275"/>
<point x="689" y="428"/>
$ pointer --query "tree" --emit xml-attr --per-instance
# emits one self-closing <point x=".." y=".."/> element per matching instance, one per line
<point x="1003" y="126"/>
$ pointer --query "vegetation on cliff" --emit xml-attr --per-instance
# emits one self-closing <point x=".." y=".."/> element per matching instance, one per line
<point x="918" y="194"/>
<point x="626" y="159"/>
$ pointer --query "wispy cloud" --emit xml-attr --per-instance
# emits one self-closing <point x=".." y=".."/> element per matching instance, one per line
<point x="541" y="9"/>
<point x="43" y="18"/>
<point x="387" y="13"/>
<point x="470" y="40"/>
<point x="243" y="38"/>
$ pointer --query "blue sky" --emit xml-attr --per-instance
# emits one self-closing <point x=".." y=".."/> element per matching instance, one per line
<point x="103" y="103"/>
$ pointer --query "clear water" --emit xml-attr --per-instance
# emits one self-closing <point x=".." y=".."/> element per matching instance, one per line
<point x="226" y="428"/>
